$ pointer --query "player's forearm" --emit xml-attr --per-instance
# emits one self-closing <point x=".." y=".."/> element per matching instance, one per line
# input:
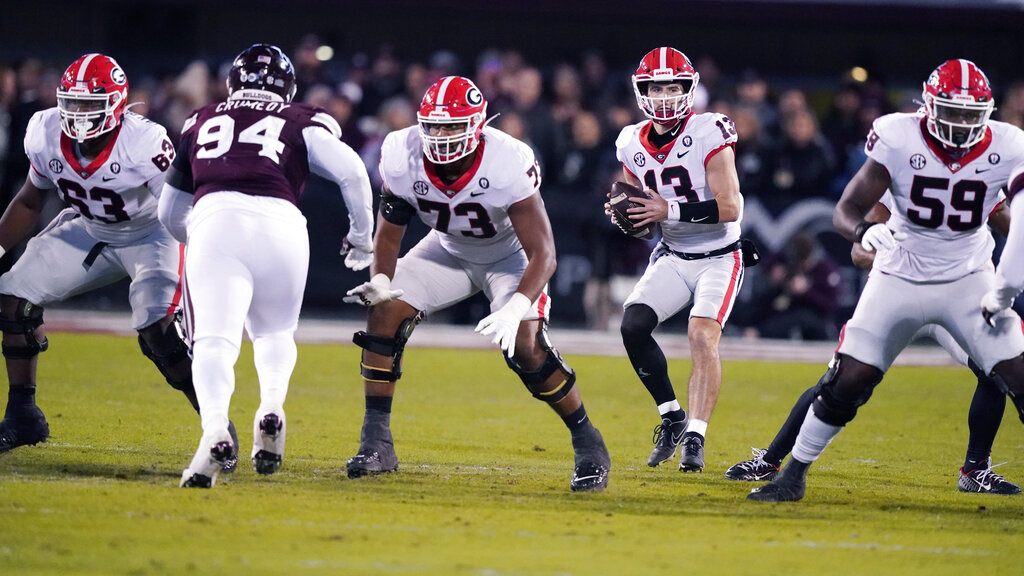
<point x="387" y="243"/>
<point x="537" y="274"/>
<point x="1011" y="270"/>
<point x="16" y="223"/>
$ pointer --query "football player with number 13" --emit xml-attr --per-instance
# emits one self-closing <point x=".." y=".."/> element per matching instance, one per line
<point x="686" y="163"/>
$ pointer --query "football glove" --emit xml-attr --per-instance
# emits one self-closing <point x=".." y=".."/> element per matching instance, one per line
<point x="374" y="292"/>
<point x="504" y="323"/>
<point x="356" y="257"/>
<point x="995" y="301"/>
<point x="878" y="236"/>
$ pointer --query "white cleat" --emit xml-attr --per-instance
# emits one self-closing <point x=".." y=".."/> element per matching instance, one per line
<point x="209" y="460"/>
<point x="268" y="441"/>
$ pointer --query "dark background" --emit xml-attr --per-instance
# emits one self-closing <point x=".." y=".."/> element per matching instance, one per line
<point x="792" y="43"/>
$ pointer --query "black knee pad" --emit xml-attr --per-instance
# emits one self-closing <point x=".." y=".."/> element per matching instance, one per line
<point x="638" y="322"/>
<point x="385" y="346"/>
<point x="536" y="379"/>
<point x="27" y="317"/>
<point x="832" y="405"/>
<point x="167" y="351"/>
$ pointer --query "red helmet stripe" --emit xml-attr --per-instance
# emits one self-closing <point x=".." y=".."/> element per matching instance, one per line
<point x="85" y="66"/>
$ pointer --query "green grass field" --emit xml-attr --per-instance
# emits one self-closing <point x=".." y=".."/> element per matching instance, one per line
<point x="483" y="484"/>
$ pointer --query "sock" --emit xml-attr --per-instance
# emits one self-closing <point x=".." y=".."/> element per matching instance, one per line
<point x="983" y="419"/>
<point x="578" y="422"/>
<point x="814" y="436"/>
<point x="638" y="322"/>
<point x="274" y="356"/>
<point x="698" y="427"/>
<point x="972" y="465"/>
<point x="666" y="407"/>
<point x="379" y="403"/>
<point x="213" y="373"/>
<point x="21" y="397"/>
<point x="784" y="440"/>
<point x="675" y="415"/>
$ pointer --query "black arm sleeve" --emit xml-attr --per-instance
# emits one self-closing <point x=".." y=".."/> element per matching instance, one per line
<point x="705" y="212"/>
<point x="395" y="210"/>
<point x="181" y="176"/>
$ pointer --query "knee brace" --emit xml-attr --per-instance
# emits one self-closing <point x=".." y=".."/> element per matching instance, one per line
<point x="385" y="346"/>
<point x="831" y="405"/>
<point x="27" y="318"/>
<point x="536" y="379"/>
<point x="167" y="351"/>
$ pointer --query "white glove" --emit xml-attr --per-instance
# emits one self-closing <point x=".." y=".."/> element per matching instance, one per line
<point x="356" y="257"/>
<point x="879" y="236"/>
<point x="504" y="323"/>
<point x="371" y="293"/>
<point x="995" y="301"/>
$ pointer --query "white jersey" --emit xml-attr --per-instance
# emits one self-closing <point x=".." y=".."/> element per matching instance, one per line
<point x="677" y="173"/>
<point x="470" y="216"/>
<point x="941" y="204"/>
<point x="116" y="194"/>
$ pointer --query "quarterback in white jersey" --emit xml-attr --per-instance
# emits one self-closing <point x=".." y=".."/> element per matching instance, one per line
<point x="686" y="163"/>
<point x="107" y="165"/>
<point x="478" y="189"/>
<point x="945" y="168"/>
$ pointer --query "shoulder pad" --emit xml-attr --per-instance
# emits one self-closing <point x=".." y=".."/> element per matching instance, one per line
<point x="395" y="149"/>
<point x="322" y="118"/>
<point x="626" y="135"/>
<point x="35" y="132"/>
<point x="892" y="129"/>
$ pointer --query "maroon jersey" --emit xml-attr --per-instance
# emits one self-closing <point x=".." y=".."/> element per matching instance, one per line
<point x="251" y="146"/>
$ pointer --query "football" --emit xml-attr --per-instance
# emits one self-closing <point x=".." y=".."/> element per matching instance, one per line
<point x="620" y="200"/>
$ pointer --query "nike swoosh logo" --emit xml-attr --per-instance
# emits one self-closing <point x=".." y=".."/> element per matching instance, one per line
<point x="642" y="373"/>
<point x="681" y="154"/>
<point x="979" y="170"/>
<point x="677" y="438"/>
<point x="697" y="220"/>
<point x="475" y="194"/>
<point x="105" y="179"/>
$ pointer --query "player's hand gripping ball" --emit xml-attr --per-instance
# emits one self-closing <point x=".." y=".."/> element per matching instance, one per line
<point x="619" y="201"/>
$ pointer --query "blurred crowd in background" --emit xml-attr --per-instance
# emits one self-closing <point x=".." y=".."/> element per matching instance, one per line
<point x="800" y="141"/>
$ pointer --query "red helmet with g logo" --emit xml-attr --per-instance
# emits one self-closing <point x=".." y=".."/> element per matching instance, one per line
<point x="451" y="119"/>
<point x="958" y="103"/>
<point x="665" y="65"/>
<point x="92" y="97"/>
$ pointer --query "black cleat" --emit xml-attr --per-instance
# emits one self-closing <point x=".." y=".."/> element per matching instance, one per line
<point x="667" y="437"/>
<point x="376" y="448"/>
<point x="371" y="461"/>
<point x="269" y="452"/>
<point x="592" y="463"/>
<point x="204" y="474"/>
<point x="985" y="481"/>
<point x="232" y="462"/>
<point x="25" y="428"/>
<point x="788" y="486"/>
<point x="757" y="469"/>
<point x="691" y="454"/>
